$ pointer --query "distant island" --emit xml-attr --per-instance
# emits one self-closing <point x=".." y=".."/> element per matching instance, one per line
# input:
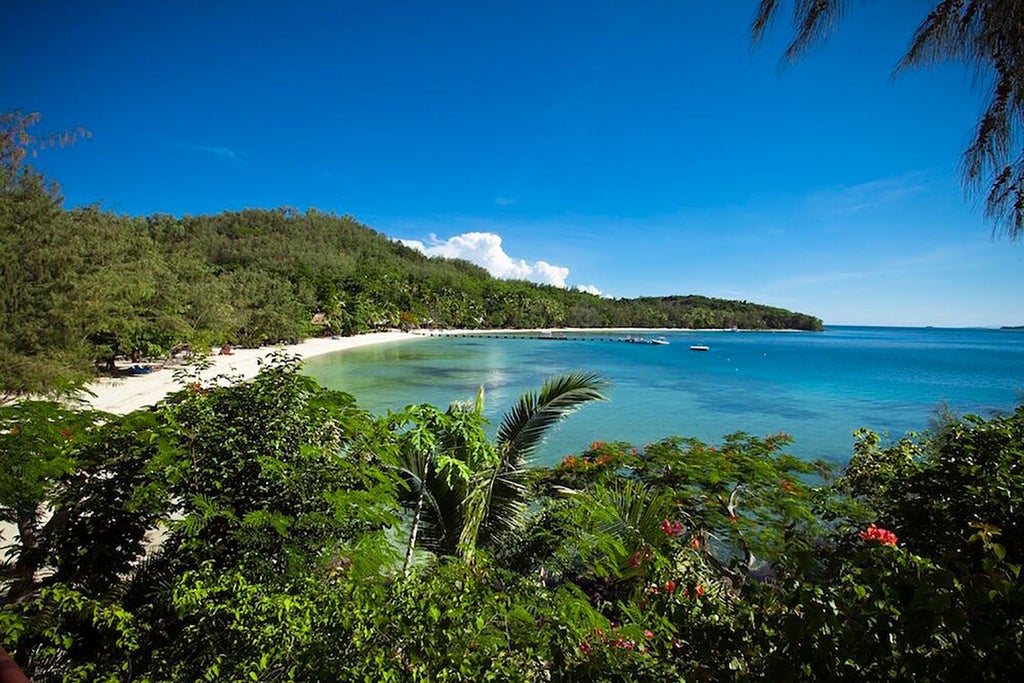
<point x="1012" y="327"/>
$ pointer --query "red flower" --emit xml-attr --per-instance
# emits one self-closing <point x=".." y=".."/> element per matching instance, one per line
<point x="586" y="648"/>
<point x="695" y="543"/>
<point x="671" y="528"/>
<point x="699" y="590"/>
<point x="640" y="556"/>
<point x="878" y="535"/>
<point x="648" y="634"/>
<point x="670" y="586"/>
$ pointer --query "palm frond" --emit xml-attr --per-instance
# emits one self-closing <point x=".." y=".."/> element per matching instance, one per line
<point x="936" y="37"/>
<point x="495" y="509"/>
<point x="525" y="425"/>
<point x="439" y="504"/>
<point x="496" y="503"/>
<point x="813" y="21"/>
<point x="988" y="35"/>
<point x="766" y="11"/>
<point x="631" y="513"/>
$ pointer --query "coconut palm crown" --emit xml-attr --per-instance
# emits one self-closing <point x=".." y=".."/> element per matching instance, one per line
<point x="465" y="491"/>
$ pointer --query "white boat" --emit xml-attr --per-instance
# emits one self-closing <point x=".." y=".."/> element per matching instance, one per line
<point x="661" y="341"/>
<point x="700" y="347"/>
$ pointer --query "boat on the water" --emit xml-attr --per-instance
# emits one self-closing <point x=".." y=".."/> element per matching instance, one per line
<point x="700" y="347"/>
<point x="661" y="341"/>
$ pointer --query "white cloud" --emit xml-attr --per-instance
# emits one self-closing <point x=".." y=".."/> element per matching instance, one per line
<point x="485" y="250"/>
<point x="225" y="153"/>
<point x="867" y="195"/>
<point x="589" y="289"/>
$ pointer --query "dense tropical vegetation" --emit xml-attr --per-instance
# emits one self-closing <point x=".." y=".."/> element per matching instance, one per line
<point x="272" y="530"/>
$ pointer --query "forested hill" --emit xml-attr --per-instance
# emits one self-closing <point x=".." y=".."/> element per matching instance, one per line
<point x="359" y="280"/>
<point x="84" y="283"/>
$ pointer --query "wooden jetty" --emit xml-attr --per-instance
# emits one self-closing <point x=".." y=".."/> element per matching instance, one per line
<point x="543" y="337"/>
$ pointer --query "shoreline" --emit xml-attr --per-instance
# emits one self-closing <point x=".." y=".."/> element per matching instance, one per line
<point x="122" y="395"/>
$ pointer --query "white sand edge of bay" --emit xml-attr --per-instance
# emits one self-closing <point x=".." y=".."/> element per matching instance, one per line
<point x="125" y="394"/>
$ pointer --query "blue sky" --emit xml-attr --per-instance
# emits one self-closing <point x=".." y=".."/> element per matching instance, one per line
<point x="634" y="148"/>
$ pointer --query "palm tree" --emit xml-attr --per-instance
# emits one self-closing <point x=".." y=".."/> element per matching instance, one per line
<point x="987" y="35"/>
<point x="464" y="491"/>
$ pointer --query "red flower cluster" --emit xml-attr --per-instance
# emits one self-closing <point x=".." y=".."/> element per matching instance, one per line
<point x="586" y="648"/>
<point x="640" y="556"/>
<point x="571" y="462"/>
<point x="878" y="535"/>
<point x="671" y="528"/>
<point x="625" y="644"/>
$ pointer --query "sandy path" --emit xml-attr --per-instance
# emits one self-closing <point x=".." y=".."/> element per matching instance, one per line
<point x="123" y="395"/>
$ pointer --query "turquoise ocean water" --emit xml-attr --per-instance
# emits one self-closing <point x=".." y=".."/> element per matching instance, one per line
<point x="816" y="386"/>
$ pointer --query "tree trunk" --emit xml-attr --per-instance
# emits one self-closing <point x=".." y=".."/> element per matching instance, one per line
<point x="414" y="530"/>
<point x="31" y="556"/>
<point x="28" y="557"/>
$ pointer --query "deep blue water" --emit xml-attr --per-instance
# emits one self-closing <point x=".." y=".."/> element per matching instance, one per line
<point x="818" y="387"/>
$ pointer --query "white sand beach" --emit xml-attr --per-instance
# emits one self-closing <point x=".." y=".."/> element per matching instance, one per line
<point x="124" y="394"/>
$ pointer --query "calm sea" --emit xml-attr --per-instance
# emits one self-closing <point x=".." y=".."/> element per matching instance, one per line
<point x="816" y="386"/>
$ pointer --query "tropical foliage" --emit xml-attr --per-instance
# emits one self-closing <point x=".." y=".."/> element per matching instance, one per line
<point x="261" y="531"/>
